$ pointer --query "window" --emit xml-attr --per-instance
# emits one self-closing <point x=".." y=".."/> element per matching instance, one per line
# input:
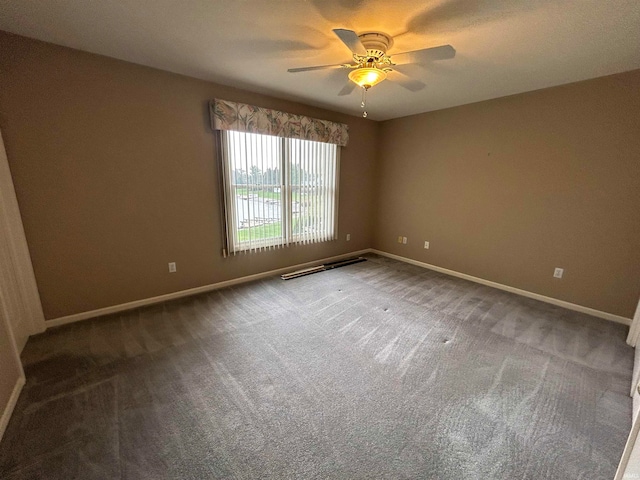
<point x="278" y="190"/>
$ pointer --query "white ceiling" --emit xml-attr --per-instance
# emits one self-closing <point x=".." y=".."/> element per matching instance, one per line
<point x="503" y="46"/>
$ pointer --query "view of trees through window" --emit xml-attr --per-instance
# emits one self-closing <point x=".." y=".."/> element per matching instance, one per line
<point x="259" y="201"/>
<point x="281" y="190"/>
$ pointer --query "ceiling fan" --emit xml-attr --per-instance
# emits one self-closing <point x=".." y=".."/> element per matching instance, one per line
<point x="372" y="64"/>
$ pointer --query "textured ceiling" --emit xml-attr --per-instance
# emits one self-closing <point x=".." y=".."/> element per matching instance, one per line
<point x="503" y="46"/>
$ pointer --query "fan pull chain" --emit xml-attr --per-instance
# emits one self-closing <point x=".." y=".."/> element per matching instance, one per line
<point x="364" y="101"/>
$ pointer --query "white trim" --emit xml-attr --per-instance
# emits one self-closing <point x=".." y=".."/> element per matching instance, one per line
<point x="500" y="286"/>
<point x="76" y="317"/>
<point x="192" y="291"/>
<point x="634" y="331"/>
<point x="8" y="410"/>
<point x="20" y="380"/>
<point x="22" y="298"/>
<point x="629" y="448"/>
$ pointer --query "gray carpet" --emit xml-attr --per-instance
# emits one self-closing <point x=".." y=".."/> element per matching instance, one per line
<point x="375" y="370"/>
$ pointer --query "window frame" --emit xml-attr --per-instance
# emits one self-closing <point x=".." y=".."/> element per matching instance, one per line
<point x="288" y="236"/>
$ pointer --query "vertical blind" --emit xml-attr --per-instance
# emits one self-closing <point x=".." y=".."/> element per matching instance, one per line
<point x="278" y="191"/>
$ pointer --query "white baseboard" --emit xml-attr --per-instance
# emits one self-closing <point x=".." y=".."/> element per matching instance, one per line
<point x="192" y="291"/>
<point x="249" y="278"/>
<point x="634" y="330"/>
<point x="13" y="399"/>
<point x="524" y="293"/>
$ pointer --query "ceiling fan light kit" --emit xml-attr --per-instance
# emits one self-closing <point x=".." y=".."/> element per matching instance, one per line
<point x="367" y="77"/>
<point x="372" y="64"/>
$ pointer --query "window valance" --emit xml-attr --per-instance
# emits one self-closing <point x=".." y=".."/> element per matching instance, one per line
<point x="226" y="115"/>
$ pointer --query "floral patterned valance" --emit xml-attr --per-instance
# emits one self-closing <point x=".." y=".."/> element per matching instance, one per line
<point x="241" y="117"/>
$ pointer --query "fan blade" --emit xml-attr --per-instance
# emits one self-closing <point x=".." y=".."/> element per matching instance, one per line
<point x="443" y="52"/>
<point x="318" y="67"/>
<point x="347" y="89"/>
<point x="407" y="82"/>
<point x="351" y="40"/>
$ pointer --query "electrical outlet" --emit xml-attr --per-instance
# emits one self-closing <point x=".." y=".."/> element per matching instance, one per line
<point x="558" y="272"/>
<point x="348" y="237"/>
<point x="426" y="245"/>
<point x="400" y="239"/>
<point x="172" y="267"/>
<point x="404" y="240"/>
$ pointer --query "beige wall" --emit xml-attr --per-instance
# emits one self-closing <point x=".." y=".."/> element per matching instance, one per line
<point x="510" y="188"/>
<point x="114" y="167"/>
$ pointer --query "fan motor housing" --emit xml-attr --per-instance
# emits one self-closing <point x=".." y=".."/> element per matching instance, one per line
<point x="376" y="43"/>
